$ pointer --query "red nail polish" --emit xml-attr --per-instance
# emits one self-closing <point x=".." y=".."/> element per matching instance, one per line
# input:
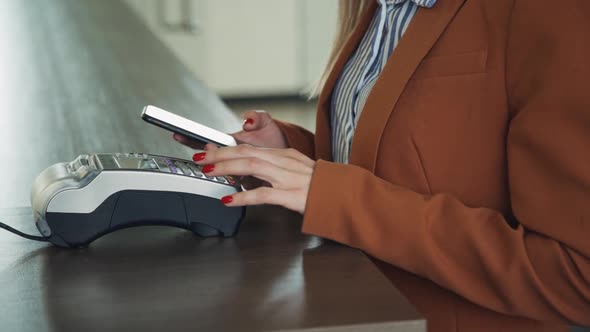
<point x="208" y="168"/>
<point x="227" y="199"/>
<point x="249" y="121"/>
<point x="199" y="156"/>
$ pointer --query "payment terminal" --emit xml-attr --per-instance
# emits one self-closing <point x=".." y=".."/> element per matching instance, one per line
<point x="76" y="202"/>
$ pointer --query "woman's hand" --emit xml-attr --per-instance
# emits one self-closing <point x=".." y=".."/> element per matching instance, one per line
<point x="259" y="129"/>
<point x="287" y="171"/>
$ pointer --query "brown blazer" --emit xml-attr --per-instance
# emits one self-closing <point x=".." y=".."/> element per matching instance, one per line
<point x="469" y="176"/>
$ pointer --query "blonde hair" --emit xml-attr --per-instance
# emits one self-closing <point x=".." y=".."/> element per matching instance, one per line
<point x="349" y="14"/>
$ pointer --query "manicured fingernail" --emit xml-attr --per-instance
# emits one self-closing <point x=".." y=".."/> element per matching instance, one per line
<point x="199" y="156"/>
<point x="249" y="121"/>
<point x="227" y="199"/>
<point x="208" y="168"/>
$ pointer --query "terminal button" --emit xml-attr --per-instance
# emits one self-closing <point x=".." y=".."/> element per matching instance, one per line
<point x="221" y="179"/>
<point x="162" y="165"/>
<point x="107" y="162"/>
<point x="196" y="170"/>
<point x="185" y="169"/>
<point x="173" y="167"/>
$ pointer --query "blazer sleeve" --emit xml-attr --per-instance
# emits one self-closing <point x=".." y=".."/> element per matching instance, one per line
<point x="298" y="138"/>
<point x="540" y="266"/>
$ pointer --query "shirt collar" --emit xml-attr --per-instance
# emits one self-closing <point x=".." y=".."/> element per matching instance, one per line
<point x="421" y="3"/>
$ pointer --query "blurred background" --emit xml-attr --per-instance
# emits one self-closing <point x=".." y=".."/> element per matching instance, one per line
<point x="256" y="54"/>
<point x="75" y="74"/>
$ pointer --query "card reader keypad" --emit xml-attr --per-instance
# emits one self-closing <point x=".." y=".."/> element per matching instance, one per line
<point x="190" y="169"/>
<point x="173" y="167"/>
<point x="185" y="169"/>
<point x="157" y="163"/>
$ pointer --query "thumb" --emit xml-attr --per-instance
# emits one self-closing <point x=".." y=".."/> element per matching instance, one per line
<point x="256" y="120"/>
<point x="210" y="147"/>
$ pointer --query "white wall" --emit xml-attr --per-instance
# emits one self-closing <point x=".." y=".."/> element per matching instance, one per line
<point x="247" y="48"/>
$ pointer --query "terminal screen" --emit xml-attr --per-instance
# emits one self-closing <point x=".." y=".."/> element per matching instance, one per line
<point x="136" y="163"/>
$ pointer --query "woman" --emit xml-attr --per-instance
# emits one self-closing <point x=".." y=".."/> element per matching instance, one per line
<point x="456" y="156"/>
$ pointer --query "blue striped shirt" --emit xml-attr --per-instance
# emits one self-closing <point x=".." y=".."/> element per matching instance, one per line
<point x="364" y="67"/>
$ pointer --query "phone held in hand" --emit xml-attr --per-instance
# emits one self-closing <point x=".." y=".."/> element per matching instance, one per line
<point x="185" y="127"/>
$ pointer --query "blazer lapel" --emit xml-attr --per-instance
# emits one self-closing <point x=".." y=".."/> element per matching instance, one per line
<point x="323" y="135"/>
<point x="423" y="32"/>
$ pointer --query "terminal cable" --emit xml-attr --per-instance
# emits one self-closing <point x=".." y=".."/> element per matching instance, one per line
<point x="26" y="236"/>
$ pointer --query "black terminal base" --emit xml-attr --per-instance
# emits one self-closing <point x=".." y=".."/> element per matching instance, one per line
<point x="204" y="216"/>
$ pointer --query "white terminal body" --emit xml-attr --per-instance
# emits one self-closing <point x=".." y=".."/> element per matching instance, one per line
<point x="81" y="186"/>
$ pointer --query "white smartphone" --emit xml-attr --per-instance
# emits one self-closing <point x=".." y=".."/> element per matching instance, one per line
<point x="186" y="127"/>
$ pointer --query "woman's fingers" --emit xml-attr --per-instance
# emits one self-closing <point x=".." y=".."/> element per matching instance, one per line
<point x="264" y="195"/>
<point x="188" y="142"/>
<point x="245" y="137"/>
<point x="211" y="147"/>
<point x="295" y="154"/>
<point x="259" y="129"/>
<point x="289" y="159"/>
<point x="255" y="120"/>
<point x="276" y="160"/>
<point x="289" y="172"/>
<point x="278" y="177"/>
